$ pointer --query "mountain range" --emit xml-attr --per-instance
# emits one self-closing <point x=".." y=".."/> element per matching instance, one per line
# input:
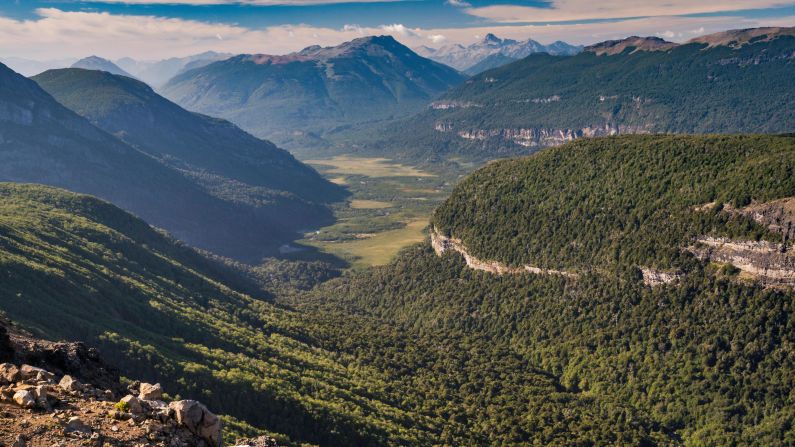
<point x="41" y="141"/>
<point x="469" y="58"/>
<point x="732" y="82"/>
<point x="297" y="96"/>
<point x="157" y="73"/>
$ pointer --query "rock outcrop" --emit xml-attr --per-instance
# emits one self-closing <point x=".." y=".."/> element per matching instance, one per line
<point x="654" y="278"/>
<point x="762" y="260"/>
<point x="57" y="358"/>
<point x="47" y="407"/>
<point x="442" y="244"/>
<point x="541" y="137"/>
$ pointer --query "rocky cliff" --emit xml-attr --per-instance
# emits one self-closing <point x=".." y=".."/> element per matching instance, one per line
<point x="442" y="244"/>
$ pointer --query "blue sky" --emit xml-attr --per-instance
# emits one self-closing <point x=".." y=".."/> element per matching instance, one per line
<point x="42" y="29"/>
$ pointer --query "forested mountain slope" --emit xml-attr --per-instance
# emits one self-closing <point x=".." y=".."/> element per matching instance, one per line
<point x="703" y="359"/>
<point x="292" y="97"/>
<point x="197" y="143"/>
<point x="77" y="268"/>
<point x="735" y="82"/>
<point x="41" y="141"/>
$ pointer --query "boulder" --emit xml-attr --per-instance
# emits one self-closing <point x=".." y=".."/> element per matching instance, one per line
<point x="75" y="424"/>
<point x="150" y="392"/>
<point x="198" y="420"/>
<point x="25" y="399"/>
<point x="28" y="372"/>
<point x="9" y="373"/>
<point x="133" y="403"/>
<point x="68" y="383"/>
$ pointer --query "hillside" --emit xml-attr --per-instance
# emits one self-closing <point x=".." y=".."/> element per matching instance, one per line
<point x="631" y="200"/>
<point x="77" y="268"/>
<point x="98" y="63"/>
<point x="43" y="142"/>
<point x="488" y="63"/>
<point x="302" y="95"/>
<point x="702" y="357"/>
<point x="638" y="85"/>
<point x="201" y="145"/>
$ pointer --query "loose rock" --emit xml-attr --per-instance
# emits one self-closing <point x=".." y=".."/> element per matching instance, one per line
<point x="75" y="424"/>
<point x="150" y="392"/>
<point x="9" y="373"/>
<point x="25" y="399"/>
<point x="68" y="383"/>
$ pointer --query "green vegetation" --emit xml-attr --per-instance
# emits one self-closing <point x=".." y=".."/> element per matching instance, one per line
<point x="259" y="182"/>
<point x="390" y="207"/>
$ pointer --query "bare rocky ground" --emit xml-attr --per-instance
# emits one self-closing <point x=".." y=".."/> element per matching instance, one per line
<point x="63" y="394"/>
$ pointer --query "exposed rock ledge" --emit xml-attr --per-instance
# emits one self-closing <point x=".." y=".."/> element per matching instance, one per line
<point x="765" y="261"/>
<point x="441" y="244"/>
<point x="655" y="278"/>
<point x="541" y="137"/>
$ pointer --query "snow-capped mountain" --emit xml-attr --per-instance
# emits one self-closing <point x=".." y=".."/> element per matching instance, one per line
<point x="462" y="58"/>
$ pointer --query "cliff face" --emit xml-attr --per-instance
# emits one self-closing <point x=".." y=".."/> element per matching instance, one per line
<point x="537" y="137"/>
<point x="442" y="244"/>
<point x="772" y="264"/>
<point x="763" y="261"/>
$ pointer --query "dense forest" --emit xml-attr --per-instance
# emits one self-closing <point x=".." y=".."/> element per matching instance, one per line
<point x="706" y="360"/>
<point x="595" y="203"/>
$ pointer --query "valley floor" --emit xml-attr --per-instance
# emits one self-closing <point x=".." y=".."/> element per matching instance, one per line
<point x="388" y="210"/>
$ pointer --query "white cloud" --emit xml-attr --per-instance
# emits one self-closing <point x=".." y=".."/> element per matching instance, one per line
<point x="401" y="30"/>
<point x="574" y="10"/>
<point x="458" y="3"/>
<point x="57" y="34"/>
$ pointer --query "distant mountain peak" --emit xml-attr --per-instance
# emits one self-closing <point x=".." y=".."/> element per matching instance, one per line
<point x="318" y="53"/>
<point x="465" y="58"/>
<point x="612" y="47"/>
<point x="98" y="63"/>
<point x="491" y="39"/>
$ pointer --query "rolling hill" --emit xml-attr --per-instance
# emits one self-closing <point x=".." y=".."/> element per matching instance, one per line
<point x="41" y="141"/>
<point x="735" y="82"/>
<point x="300" y="96"/>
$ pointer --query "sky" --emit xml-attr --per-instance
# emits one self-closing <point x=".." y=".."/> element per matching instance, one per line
<point x="157" y="29"/>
